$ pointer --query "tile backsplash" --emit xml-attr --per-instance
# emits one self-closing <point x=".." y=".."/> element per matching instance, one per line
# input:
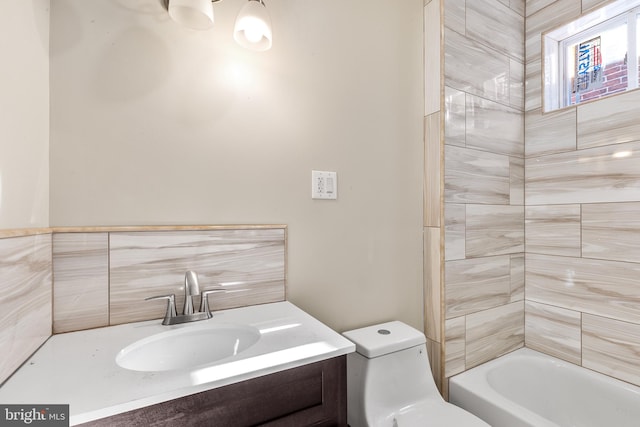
<point x="81" y="285"/>
<point x="25" y="298"/>
<point x="247" y="264"/>
<point x="64" y="280"/>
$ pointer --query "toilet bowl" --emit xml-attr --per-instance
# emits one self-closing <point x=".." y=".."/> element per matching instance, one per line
<point x="389" y="382"/>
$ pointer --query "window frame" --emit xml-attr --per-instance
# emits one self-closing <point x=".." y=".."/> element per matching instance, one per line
<point x="556" y="42"/>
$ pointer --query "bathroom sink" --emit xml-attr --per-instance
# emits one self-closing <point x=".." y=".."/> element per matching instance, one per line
<point x="187" y="347"/>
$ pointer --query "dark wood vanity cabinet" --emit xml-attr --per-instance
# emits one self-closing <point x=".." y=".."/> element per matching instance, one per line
<point x="310" y="395"/>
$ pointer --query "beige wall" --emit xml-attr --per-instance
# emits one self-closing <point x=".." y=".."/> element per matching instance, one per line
<point x="153" y="124"/>
<point x="24" y="114"/>
<point x="582" y="227"/>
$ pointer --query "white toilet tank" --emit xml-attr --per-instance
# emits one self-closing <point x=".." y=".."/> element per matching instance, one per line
<point x="389" y="372"/>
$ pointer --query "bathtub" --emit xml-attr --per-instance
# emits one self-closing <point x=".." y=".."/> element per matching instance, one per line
<point x="528" y="388"/>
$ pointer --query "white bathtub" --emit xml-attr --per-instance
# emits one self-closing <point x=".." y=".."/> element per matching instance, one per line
<point x="527" y="388"/>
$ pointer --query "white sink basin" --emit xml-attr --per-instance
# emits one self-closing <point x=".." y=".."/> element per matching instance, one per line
<point x="187" y="347"/>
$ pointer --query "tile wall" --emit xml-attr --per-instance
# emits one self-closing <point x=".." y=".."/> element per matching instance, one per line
<point x="568" y="230"/>
<point x="25" y="298"/>
<point x="483" y="129"/>
<point x="102" y="276"/>
<point x="582" y="218"/>
<point x="433" y="223"/>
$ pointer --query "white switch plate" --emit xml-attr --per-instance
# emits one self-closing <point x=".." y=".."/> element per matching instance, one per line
<point x="324" y="185"/>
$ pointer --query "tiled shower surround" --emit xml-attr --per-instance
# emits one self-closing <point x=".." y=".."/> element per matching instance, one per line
<point x="483" y="187"/>
<point x="532" y="219"/>
<point x="69" y="280"/>
<point x="582" y="218"/>
<point x="477" y="136"/>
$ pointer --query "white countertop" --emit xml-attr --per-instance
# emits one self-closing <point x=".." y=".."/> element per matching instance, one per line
<point x="79" y="368"/>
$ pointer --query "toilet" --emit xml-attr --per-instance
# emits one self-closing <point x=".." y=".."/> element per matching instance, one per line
<point x="389" y="382"/>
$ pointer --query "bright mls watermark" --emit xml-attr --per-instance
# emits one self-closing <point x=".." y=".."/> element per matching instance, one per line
<point x="34" y="415"/>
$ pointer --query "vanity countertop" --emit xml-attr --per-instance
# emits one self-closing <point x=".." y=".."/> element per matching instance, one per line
<point x="79" y="368"/>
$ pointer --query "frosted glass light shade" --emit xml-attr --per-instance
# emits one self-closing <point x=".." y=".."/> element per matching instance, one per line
<point x="253" y="26"/>
<point x="196" y="14"/>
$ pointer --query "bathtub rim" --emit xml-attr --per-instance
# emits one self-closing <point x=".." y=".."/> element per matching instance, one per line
<point x="486" y="402"/>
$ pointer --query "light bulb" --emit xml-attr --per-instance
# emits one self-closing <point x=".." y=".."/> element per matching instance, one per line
<point x="254" y="31"/>
<point x="253" y="26"/>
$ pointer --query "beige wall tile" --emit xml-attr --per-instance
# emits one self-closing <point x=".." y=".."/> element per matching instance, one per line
<point x="432" y="57"/>
<point x="496" y="25"/>
<point x="454" y="15"/>
<point x="490" y="76"/>
<point x="613" y="120"/>
<point x="550" y="133"/>
<point x="594" y="175"/>
<point x="493" y="127"/>
<point x="552" y="14"/>
<point x="516" y="78"/>
<point x="474" y="176"/>
<point x="516" y="181"/>
<point x="25" y="297"/>
<point x="432" y="284"/>
<point x="533" y="6"/>
<point x="532" y="84"/>
<point x="553" y="330"/>
<point x="249" y="264"/>
<point x="494" y="230"/>
<point x="553" y="229"/>
<point x="492" y="333"/>
<point x="455" y="117"/>
<point x="476" y="284"/>
<point x="611" y="231"/>
<point x="518" y="6"/>
<point x="484" y="175"/>
<point x="517" y="278"/>
<point x="81" y="281"/>
<point x="590" y="4"/>
<point x="454" y="330"/>
<point x="582" y="187"/>
<point x="604" y="288"/>
<point x="432" y="171"/>
<point x="611" y="347"/>
<point x="435" y="361"/>
<point x="454" y="231"/>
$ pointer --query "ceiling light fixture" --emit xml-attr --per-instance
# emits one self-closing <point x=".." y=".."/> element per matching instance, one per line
<point x="252" y="29"/>
<point x="196" y="14"/>
<point x="253" y="26"/>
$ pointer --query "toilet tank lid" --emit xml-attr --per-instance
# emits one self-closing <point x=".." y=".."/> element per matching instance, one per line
<point x="378" y="340"/>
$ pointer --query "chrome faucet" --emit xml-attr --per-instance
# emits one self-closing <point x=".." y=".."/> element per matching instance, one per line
<point x="191" y="289"/>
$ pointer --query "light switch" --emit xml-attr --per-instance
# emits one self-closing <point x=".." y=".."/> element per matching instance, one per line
<point x="324" y="185"/>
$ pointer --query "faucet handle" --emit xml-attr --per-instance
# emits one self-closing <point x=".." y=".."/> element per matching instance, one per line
<point x="171" y="306"/>
<point x="204" y="299"/>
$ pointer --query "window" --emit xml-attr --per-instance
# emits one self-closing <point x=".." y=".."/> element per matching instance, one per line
<point x="593" y="57"/>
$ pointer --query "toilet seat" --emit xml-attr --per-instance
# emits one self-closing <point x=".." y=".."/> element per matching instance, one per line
<point x="434" y="413"/>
